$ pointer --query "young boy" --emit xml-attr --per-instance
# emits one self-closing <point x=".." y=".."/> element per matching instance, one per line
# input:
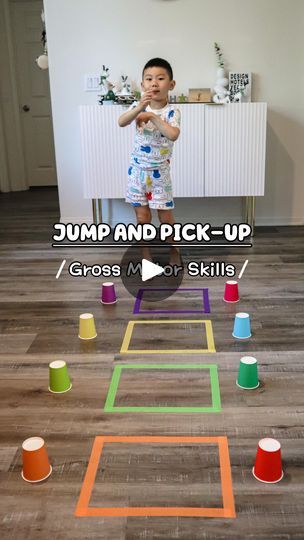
<point x="157" y="127"/>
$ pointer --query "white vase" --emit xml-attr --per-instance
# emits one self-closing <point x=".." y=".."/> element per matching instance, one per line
<point x="222" y="81"/>
<point x="220" y="72"/>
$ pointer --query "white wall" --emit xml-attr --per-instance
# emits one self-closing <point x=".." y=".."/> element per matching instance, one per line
<point x="264" y="37"/>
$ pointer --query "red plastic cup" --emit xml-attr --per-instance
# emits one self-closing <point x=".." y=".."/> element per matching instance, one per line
<point x="231" y="291"/>
<point x="108" y="295"/>
<point x="268" y="461"/>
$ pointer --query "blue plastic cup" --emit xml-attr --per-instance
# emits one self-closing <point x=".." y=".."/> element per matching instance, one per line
<point x="241" y="329"/>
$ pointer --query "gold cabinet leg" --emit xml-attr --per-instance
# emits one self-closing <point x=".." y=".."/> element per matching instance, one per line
<point x="97" y="211"/>
<point x="250" y="212"/>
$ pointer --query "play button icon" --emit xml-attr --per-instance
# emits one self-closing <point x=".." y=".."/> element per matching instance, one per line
<point x="149" y="270"/>
<point x="156" y="276"/>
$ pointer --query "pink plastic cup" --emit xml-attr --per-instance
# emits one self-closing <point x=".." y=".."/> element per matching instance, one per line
<point x="108" y="295"/>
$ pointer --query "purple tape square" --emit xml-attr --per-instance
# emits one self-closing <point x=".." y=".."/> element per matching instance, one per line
<point x="205" y="302"/>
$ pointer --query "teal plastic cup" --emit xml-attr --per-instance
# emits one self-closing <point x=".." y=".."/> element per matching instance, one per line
<point x="248" y="373"/>
<point x="59" y="377"/>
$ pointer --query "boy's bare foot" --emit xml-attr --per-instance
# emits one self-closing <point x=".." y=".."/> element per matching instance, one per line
<point x="175" y="257"/>
<point x="146" y="253"/>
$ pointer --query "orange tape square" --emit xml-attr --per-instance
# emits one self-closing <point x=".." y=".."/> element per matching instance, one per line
<point x="227" y="511"/>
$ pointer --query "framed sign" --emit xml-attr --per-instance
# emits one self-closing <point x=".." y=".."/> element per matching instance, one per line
<point x="240" y="87"/>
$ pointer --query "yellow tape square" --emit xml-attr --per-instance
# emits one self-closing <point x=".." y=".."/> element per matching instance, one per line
<point x="125" y="348"/>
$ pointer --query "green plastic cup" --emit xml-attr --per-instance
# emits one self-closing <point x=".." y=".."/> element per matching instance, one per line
<point x="59" y="377"/>
<point x="248" y="373"/>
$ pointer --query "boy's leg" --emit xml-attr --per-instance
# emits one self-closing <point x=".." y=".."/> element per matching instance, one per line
<point x="166" y="216"/>
<point x="143" y="215"/>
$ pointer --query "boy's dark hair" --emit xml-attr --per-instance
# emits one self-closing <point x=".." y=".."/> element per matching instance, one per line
<point x="159" y="62"/>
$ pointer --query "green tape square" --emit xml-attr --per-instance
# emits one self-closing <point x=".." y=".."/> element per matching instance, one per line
<point x="214" y="382"/>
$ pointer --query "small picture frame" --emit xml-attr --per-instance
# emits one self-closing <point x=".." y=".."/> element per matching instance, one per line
<point x="199" y="95"/>
<point x="240" y="86"/>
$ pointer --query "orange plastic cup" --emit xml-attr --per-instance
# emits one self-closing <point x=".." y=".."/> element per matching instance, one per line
<point x="36" y="466"/>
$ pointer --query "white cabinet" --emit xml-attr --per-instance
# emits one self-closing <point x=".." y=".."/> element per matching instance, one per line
<point x="235" y="140"/>
<point x="188" y="159"/>
<point x="220" y="152"/>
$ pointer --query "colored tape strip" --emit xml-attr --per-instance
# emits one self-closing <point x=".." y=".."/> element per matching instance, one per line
<point x="227" y="511"/>
<point x="140" y="295"/>
<point x="214" y="382"/>
<point x="128" y="334"/>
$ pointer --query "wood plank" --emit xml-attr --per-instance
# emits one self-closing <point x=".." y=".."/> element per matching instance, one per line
<point x="16" y="343"/>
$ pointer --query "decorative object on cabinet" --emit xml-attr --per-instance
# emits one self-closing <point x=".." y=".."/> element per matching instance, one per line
<point x="182" y="98"/>
<point x="106" y="87"/>
<point x="219" y="55"/>
<point x="199" y="95"/>
<point x="239" y="87"/>
<point x="104" y="84"/>
<point x="221" y="94"/>
<point x="109" y="98"/>
<point x="125" y="96"/>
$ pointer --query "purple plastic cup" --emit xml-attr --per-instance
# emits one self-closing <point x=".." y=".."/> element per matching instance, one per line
<point x="108" y="295"/>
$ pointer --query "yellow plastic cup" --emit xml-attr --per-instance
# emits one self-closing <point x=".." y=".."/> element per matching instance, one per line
<point x="87" y="328"/>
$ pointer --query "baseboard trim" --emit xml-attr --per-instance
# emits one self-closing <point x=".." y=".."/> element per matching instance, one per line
<point x="262" y="222"/>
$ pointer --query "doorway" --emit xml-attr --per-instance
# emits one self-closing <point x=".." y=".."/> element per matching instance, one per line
<point x="33" y="94"/>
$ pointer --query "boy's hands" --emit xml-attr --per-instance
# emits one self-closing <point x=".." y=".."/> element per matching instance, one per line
<point x="145" y="99"/>
<point x="143" y="118"/>
<point x="126" y="118"/>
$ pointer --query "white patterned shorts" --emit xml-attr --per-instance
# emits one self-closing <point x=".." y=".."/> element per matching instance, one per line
<point x="151" y="188"/>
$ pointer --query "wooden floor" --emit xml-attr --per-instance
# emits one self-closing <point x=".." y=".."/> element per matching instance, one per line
<point x="39" y="324"/>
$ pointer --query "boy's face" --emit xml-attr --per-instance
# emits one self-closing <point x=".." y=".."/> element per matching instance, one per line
<point x="157" y="79"/>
